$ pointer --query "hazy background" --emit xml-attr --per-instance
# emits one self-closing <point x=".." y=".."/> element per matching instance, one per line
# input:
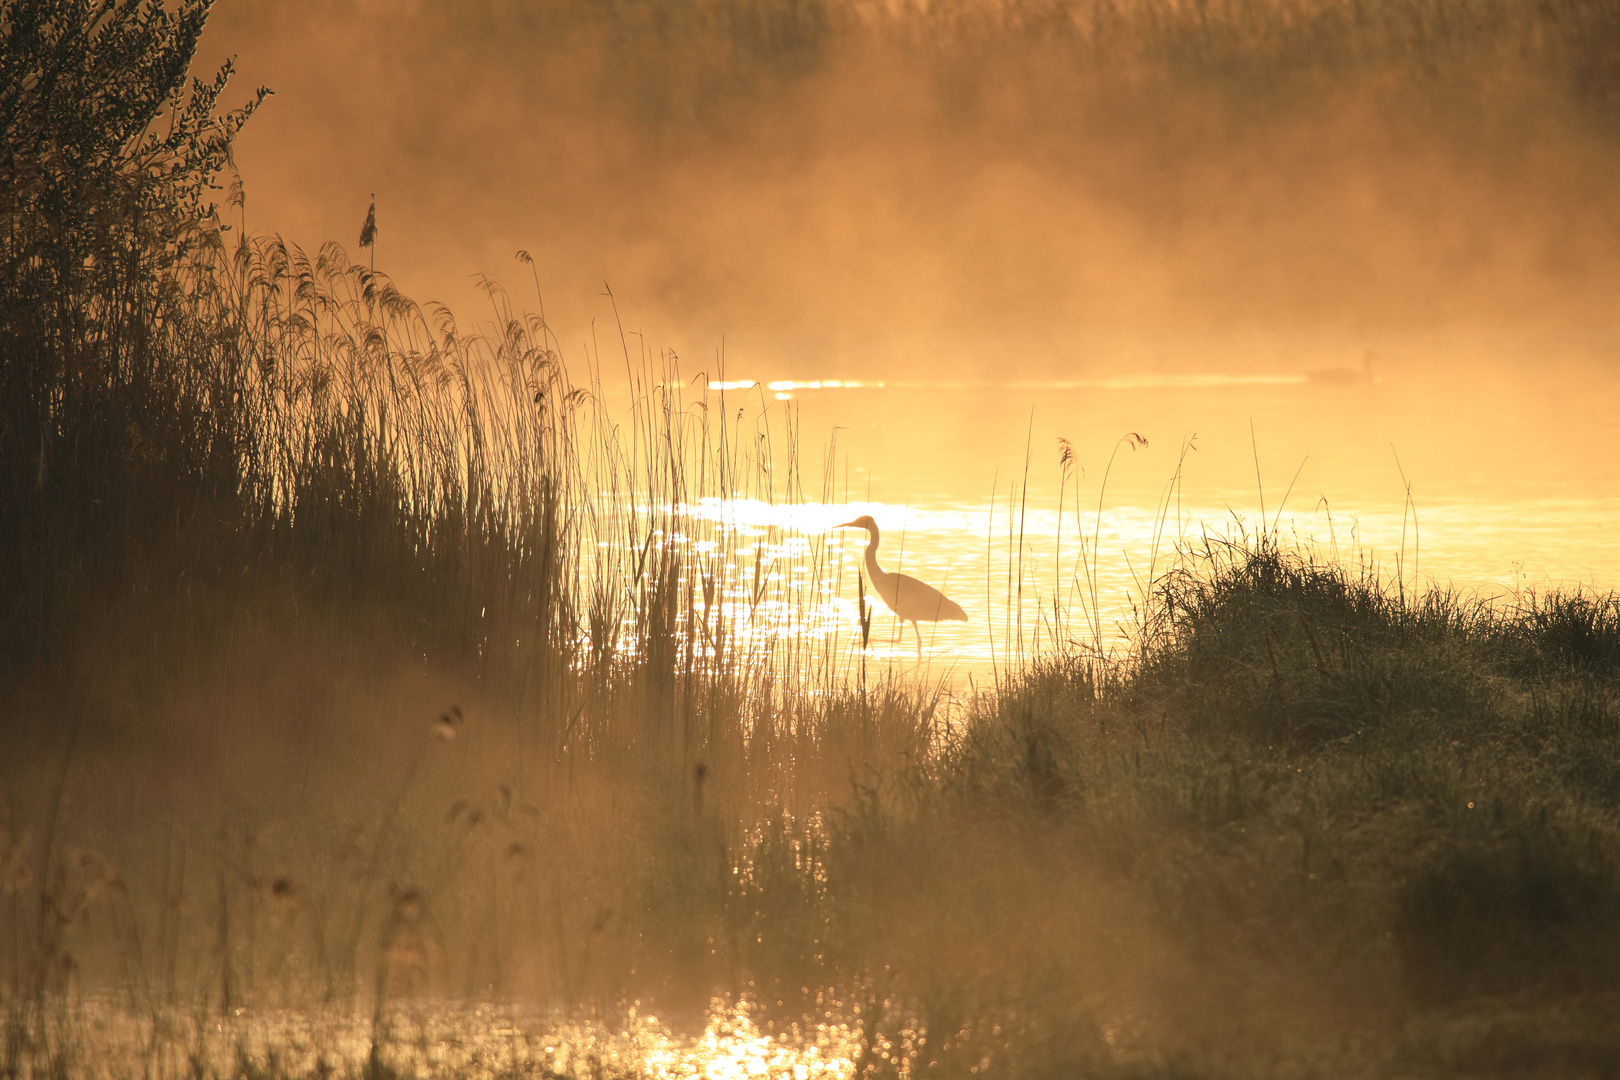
<point x="840" y="188"/>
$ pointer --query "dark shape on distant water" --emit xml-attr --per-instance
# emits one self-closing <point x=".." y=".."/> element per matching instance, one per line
<point x="1345" y="376"/>
<point x="445" y="727"/>
<point x="911" y="600"/>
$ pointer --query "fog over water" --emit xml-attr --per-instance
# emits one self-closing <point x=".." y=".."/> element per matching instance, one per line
<point x="1496" y="507"/>
<point x="1023" y="231"/>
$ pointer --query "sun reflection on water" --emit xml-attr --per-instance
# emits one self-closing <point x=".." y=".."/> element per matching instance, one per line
<point x="1043" y="551"/>
<point x="1030" y="578"/>
<point x="733" y="1048"/>
<point x="443" y="1039"/>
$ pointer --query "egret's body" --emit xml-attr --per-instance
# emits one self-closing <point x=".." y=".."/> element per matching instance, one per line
<point x="911" y="600"/>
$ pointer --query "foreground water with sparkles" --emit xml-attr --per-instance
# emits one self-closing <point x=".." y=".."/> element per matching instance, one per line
<point x="100" y="1037"/>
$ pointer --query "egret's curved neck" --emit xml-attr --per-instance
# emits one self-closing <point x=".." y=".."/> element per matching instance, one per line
<point x="872" y="569"/>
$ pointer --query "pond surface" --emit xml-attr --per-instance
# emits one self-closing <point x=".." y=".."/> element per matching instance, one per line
<point x="446" y="1039"/>
<point x="1493" y="485"/>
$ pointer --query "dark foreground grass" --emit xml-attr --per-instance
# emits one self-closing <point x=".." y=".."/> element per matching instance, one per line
<point x="1326" y="827"/>
<point x="331" y="725"/>
<point x="1313" y="826"/>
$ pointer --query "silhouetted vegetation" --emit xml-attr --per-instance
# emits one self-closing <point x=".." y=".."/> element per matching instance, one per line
<point x="121" y="407"/>
<point x="1399" y="799"/>
<point x="264" y="518"/>
<point x="701" y="68"/>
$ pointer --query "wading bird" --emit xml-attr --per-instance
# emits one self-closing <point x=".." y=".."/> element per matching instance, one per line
<point x="909" y="599"/>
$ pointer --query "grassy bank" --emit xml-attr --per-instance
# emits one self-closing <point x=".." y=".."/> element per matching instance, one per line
<point x="364" y="670"/>
<point x="1314" y="826"/>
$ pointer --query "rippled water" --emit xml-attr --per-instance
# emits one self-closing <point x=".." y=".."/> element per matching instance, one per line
<point x="451" y="1039"/>
<point x="1490" y="485"/>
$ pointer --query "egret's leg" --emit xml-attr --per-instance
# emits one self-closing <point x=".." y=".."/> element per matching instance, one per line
<point x="916" y="629"/>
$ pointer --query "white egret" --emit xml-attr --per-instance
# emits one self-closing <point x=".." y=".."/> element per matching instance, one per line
<point x="911" y="600"/>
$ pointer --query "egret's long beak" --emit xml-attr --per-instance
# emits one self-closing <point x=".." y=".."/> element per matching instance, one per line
<point x="846" y="525"/>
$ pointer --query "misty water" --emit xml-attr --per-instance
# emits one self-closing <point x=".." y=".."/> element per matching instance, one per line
<point x="1471" y="485"/>
<point x="1000" y="253"/>
<point x="450" y="1038"/>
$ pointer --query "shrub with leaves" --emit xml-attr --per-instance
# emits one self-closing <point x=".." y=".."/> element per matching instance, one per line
<point x="109" y="161"/>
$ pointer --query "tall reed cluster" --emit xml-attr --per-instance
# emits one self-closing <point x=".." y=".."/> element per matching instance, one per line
<point x="244" y="486"/>
<point x="186" y="407"/>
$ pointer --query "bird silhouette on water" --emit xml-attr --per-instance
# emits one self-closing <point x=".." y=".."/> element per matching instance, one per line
<point x="911" y="600"/>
